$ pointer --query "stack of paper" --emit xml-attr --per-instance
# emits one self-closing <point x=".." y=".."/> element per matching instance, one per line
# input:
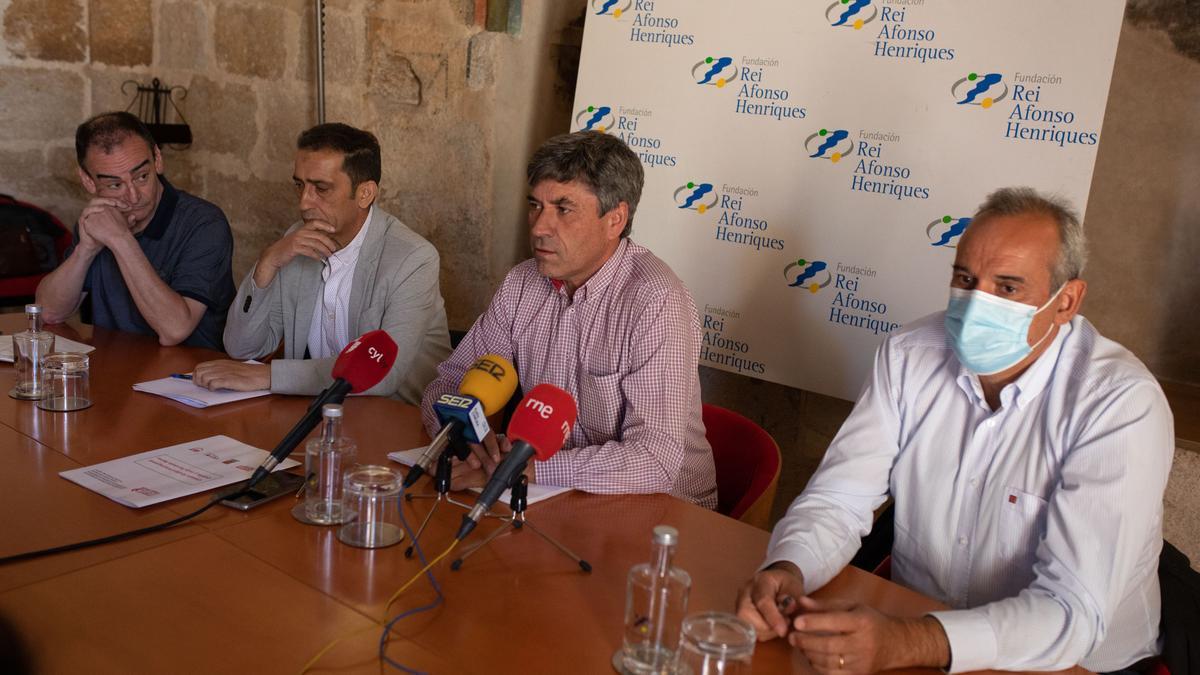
<point x="185" y="392"/>
<point x="61" y="344"/>
<point x="535" y="494"/>
<point x="168" y="473"/>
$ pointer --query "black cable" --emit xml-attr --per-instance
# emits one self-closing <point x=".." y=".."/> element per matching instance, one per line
<point x="123" y="535"/>
<point x="439" y="599"/>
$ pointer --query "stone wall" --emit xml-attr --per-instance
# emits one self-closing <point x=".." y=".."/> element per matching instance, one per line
<point x="422" y="74"/>
<point x="63" y="60"/>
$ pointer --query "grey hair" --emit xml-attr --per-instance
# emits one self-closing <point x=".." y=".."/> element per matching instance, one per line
<point x="1072" y="243"/>
<point x="601" y="161"/>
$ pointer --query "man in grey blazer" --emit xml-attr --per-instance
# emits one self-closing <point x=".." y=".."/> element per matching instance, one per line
<point x="346" y="268"/>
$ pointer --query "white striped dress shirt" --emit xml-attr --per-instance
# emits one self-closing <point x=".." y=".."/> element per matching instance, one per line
<point x="1039" y="522"/>
<point x="328" y="332"/>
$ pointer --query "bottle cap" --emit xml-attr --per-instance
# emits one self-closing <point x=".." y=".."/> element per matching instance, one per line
<point x="331" y="410"/>
<point x="666" y="535"/>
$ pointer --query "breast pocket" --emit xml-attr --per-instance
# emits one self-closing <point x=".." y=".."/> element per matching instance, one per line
<point x="1022" y="522"/>
<point x="601" y="406"/>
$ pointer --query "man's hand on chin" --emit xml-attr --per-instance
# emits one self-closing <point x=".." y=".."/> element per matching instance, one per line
<point x="226" y="374"/>
<point x="841" y="636"/>
<point x="314" y="239"/>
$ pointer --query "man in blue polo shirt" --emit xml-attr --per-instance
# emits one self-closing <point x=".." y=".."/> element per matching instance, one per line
<point x="153" y="259"/>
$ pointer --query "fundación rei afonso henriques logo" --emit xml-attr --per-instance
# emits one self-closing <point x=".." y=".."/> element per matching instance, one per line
<point x="830" y="144"/>
<point x="946" y="230"/>
<point x="811" y="274"/>
<point x="595" y="118"/>
<point x="715" y="71"/>
<point x="613" y="8"/>
<point x="696" y="196"/>
<point x="980" y="90"/>
<point x="851" y="13"/>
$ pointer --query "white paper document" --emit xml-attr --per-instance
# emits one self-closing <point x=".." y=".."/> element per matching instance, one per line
<point x="187" y="393"/>
<point x="536" y="492"/>
<point x="61" y="344"/>
<point x="169" y="473"/>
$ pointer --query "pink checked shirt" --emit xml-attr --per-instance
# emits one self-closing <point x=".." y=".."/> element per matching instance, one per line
<point x="626" y="347"/>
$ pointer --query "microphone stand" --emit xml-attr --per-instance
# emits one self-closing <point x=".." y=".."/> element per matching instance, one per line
<point x="518" y="501"/>
<point x="441" y="487"/>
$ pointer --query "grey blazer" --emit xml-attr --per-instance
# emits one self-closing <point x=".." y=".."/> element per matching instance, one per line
<point x="395" y="287"/>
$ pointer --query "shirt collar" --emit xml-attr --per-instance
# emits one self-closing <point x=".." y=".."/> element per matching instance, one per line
<point x="600" y="280"/>
<point x="164" y="212"/>
<point x="1026" y="387"/>
<point x="349" y="253"/>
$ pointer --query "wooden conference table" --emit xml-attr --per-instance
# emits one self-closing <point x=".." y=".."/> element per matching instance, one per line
<point x="258" y="592"/>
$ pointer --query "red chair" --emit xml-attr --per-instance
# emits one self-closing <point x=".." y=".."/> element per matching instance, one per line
<point x="884" y="569"/>
<point x="748" y="464"/>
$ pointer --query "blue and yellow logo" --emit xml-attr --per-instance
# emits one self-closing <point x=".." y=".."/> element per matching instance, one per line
<point x="946" y="230"/>
<point x="613" y="8"/>
<point x="811" y="274"/>
<point x="595" y="118"/>
<point x="698" y="197"/>
<point x="715" y="71"/>
<point x="851" y="13"/>
<point x="829" y="144"/>
<point x="980" y="90"/>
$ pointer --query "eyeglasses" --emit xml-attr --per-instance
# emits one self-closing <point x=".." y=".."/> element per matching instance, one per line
<point x="115" y="187"/>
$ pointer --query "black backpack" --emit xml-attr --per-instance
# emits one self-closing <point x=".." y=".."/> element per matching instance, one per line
<point x="32" y="240"/>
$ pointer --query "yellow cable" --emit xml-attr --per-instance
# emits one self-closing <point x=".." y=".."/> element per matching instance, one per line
<point x="413" y="580"/>
<point x="382" y="621"/>
<point x="313" y="661"/>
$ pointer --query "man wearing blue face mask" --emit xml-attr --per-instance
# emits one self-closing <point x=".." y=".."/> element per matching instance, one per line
<point x="1027" y="456"/>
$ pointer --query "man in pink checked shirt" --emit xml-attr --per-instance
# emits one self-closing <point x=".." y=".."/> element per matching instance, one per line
<point x="606" y="320"/>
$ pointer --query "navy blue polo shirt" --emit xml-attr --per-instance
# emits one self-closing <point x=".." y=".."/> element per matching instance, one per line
<point x="190" y="245"/>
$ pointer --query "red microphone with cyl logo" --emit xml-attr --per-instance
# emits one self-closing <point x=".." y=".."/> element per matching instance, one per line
<point x="539" y="427"/>
<point x="361" y="365"/>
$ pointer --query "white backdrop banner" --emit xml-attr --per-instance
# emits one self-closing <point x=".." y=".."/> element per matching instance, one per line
<point x="810" y="164"/>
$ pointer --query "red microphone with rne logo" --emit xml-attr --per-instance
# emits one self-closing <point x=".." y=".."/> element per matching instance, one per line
<point x="539" y="427"/>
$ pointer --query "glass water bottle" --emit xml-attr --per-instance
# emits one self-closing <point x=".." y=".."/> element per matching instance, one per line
<point x="655" y="602"/>
<point x="328" y="458"/>
<point x="30" y="348"/>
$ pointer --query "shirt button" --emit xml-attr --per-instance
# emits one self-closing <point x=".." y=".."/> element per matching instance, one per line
<point x="991" y="423"/>
<point x="962" y="541"/>
<point x="974" y="482"/>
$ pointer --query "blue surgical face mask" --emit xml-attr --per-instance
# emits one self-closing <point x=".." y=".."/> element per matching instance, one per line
<point x="990" y="334"/>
